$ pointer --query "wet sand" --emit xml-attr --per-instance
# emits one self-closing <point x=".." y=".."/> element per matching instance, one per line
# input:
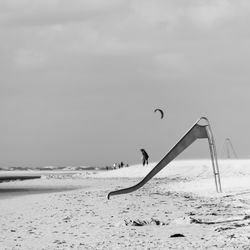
<point x="20" y="178"/>
<point x="38" y="186"/>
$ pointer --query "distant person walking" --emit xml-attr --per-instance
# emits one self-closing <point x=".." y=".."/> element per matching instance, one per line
<point x="144" y="157"/>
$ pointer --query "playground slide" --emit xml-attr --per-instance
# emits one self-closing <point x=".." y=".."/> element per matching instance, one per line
<point x="197" y="131"/>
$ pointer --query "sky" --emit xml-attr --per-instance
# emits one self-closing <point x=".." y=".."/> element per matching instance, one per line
<point x="79" y="80"/>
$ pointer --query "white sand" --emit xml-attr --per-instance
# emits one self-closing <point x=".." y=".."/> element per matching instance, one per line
<point x="73" y="213"/>
<point x="193" y="175"/>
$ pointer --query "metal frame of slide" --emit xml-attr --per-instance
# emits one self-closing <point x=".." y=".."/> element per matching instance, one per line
<point x="197" y="131"/>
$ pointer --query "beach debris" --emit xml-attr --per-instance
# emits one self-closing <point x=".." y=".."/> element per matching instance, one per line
<point x="176" y="235"/>
<point x="139" y="223"/>
<point x="221" y="220"/>
<point x="59" y="242"/>
<point x="192" y="213"/>
<point x="67" y="219"/>
<point x="246" y="217"/>
<point x="232" y="226"/>
<point x="219" y="229"/>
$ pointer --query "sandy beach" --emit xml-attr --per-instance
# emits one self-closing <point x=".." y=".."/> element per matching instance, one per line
<point x="179" y="209"/>
<point x="91" y="91"/>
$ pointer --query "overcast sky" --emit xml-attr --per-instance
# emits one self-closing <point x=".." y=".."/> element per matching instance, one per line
<point x="79" y="80"/>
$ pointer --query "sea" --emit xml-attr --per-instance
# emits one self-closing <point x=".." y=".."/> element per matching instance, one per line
<point x="18" y="181"/>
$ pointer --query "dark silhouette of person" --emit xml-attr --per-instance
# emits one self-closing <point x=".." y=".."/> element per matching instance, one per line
<point x="144" y="157"/>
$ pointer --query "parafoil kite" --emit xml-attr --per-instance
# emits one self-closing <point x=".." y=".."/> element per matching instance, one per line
<point x="161" y="111"/>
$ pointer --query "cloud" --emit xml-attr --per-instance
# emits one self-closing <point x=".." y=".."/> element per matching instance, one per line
<point x="136" y="13"/>
<point x="50" y="12"/>
<point x="70" y="30"/>
<point x="173" y="64"/>
<point x="208" y="13"/>
<point x="29" y="59"/>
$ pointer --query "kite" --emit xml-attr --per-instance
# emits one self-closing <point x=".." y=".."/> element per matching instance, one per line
<point x="161" y="111"/>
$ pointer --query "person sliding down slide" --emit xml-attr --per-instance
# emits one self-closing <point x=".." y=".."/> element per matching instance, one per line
<point x="144" y="157"/>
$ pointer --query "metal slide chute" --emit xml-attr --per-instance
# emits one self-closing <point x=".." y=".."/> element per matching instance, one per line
<point x="197" y="131"/>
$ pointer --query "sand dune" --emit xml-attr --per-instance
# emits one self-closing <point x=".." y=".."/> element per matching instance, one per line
<point x="192" y="175"/>
<point x="179" y="209"/>
<point x="183" y="169"/>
